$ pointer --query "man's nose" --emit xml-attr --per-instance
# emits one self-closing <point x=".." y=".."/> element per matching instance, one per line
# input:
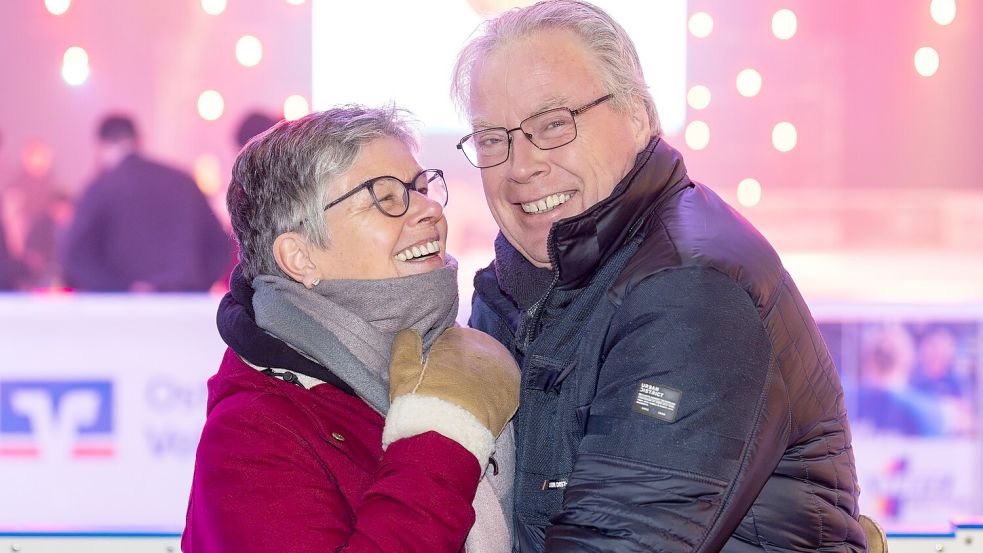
<point x="526" y="161"/>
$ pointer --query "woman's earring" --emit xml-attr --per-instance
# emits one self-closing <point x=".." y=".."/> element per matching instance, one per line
<point x="315" y="282"/>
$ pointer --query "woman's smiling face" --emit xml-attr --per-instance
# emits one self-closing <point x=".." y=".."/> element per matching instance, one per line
<point x="367" y="244"/>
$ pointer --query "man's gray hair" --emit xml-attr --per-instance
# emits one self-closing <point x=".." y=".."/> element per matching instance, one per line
<point x="281" y="177"/>
<point x="617" y="60"/>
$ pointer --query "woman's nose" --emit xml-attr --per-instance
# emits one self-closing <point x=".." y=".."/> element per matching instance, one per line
<point x="423" y="208"/>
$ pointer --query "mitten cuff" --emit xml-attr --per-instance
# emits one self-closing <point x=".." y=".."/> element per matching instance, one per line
<point x="413" y="414"/>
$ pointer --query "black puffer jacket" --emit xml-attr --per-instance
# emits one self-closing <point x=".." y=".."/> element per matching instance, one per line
<point x="677" y="395"/>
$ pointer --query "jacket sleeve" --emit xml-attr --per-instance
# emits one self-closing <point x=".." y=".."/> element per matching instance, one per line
<point x="688" y="422"/>
<point x="259" y="486"/>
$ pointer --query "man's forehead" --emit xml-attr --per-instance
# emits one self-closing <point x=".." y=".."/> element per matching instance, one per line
<point x="545" y="70"/>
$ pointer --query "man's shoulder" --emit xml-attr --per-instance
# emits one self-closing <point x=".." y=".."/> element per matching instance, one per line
<point x="699" y="229"/>
<point x="161" y="170"/>
<point x="490" y="306"/>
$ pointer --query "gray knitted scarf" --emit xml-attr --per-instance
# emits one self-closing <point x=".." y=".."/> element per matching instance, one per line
<point x="349" y="326"/>
<point x="361" y="317"/>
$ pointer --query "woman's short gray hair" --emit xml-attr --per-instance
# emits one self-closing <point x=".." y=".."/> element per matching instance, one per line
<point x="617" y="60"/>
<point x="281" y="177"/>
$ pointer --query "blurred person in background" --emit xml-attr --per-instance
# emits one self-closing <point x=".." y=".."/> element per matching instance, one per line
<point x="12" y="271"/>
<point x="42" y="212"/>
<point x="323" y="432"/>
<point x="141" y="226"/>
<point x="44" y="240"/>
<point x="35" y="212"/>
<point x="945" y="371"/>
<point x="886" y="397"/>
<point x="254" y="123"/>
<point x="10" y="267"/>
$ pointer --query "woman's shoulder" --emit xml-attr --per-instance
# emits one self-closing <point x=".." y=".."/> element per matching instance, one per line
<point x="254" y="406"/>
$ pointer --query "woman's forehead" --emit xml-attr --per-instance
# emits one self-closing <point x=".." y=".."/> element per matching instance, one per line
<point x="384" y="156"/>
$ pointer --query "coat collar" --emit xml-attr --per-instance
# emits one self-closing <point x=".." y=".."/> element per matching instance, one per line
<point x="580" y="244"/>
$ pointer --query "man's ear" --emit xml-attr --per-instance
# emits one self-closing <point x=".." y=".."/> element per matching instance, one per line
<point x="292" y="254"/>
<point x="642" y="127"/>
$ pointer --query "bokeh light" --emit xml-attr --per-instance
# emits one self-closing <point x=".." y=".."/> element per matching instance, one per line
<point x="296" y="2"/>
<point x="701" y="24"/>
<point x="36" y="158"/>
<point x="784" y="24"/>
<point x="749" y="83"/>
<point x="211" y="105"/>
<point x="926" y="61"/>
<point x="784" y="136"/>
<point x="698" y="97"/>
<point x="295" y="107"/>
<point x="57" y="7"/>
<point x="749" y="192"/>
<point x="75" y="66"/>
<point x="249" y="50"/>
<point x="943" y="11"/>
<point x="208" y="174"/>
<point x="213" y="7"/>
<point x="697" y="135"/>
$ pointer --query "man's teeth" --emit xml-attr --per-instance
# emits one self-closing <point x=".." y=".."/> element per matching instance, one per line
<point x="419" y="251"/>
<point x="546" y="204"/>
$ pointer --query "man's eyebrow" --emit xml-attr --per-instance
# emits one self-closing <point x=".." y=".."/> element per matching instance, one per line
<point x="552" y="102"/>
<point x="478" y="123"/>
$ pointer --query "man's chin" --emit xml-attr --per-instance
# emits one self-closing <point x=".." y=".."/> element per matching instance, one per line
<point x="538" y="256"/>
<point x="535" y="251"/>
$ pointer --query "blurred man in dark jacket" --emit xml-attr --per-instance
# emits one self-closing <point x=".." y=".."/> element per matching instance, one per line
<point x="142" y="226"/>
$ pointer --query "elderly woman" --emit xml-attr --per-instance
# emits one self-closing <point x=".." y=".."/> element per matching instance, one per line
<point x="349" y="411"/>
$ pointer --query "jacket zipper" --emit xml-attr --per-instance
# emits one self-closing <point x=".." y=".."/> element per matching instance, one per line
<point x="535" y="313"/>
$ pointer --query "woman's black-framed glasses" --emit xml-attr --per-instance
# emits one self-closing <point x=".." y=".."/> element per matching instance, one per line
<point x="546" y="130"/>
<point x="392" y="196"/>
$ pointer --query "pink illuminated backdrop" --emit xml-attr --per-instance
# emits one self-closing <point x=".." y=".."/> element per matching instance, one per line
<point x="846" y="131"/>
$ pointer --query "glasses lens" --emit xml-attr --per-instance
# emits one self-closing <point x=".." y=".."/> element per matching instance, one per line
<point x="486" y="148"/>
<point x="390" y="195"/>
<point x="551" y="129"/>
<point x="431" y="184"/>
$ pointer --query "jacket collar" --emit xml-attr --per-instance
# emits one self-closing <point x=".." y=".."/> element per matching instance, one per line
<point x="579" y="245"/>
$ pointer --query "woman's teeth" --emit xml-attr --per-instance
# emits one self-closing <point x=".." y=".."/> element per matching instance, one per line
<point x="546" y="204"/>
<point x="415" y="252"/>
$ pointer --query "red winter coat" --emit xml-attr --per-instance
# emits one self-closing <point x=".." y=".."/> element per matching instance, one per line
<point x="281" y="468"/>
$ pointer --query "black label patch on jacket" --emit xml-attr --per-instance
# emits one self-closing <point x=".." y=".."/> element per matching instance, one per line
<point x="657" y="401"/>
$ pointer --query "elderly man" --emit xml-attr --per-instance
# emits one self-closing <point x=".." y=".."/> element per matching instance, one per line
<point x="676" y="393"/>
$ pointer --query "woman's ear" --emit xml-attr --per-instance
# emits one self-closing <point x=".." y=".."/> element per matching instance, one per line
<point x="292" y="254"/>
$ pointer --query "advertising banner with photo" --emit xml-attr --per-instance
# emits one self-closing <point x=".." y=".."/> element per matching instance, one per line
<point x="912" y="388"/>
<point x="102" y="400"/>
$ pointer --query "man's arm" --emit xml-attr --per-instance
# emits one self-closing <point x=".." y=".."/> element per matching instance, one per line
<point x="688" y="422"/>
